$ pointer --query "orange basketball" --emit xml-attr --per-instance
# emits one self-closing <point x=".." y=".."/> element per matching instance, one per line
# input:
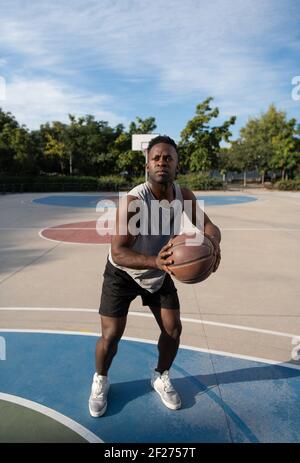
<point x="194" y="259"/>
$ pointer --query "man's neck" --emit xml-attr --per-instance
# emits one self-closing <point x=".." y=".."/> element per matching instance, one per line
<point x="162" y="191"/>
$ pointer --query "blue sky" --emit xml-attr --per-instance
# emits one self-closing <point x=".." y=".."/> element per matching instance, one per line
<point x="118" y="59"/>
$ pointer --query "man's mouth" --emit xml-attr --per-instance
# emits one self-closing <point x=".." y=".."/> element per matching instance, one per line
<point x="162" y="172"/>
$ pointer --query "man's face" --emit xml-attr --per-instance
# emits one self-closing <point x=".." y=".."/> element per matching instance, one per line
<point x="162" y="163"/>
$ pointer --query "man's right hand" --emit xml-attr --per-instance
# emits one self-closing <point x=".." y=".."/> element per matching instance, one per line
<point x="163" y="258"/>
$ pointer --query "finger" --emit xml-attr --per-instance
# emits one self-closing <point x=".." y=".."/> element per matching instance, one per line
<point x="167" y="270"/>
<point x="166" y="254"/>
<point x="168" y="262"/>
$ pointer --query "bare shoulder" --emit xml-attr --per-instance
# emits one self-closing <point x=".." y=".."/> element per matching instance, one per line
<point x="125" y="201"/>
<point x="187" y="193"/>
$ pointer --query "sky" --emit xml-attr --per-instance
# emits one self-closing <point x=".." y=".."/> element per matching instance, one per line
<point x="119" y="59"/>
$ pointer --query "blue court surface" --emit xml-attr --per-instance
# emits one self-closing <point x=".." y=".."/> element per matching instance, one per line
<point x="91" y="201"/>
<point x="224" y="399"/>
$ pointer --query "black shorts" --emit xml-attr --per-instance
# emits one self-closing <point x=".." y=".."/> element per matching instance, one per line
<point x="119" y="289"/>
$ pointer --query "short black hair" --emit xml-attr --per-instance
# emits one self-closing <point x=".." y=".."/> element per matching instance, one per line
<point x="162" y="139"/>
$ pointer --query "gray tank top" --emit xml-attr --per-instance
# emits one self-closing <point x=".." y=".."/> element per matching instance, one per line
<point x="159" y="222"/>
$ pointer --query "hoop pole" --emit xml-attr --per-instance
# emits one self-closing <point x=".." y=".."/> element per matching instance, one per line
<point x="146" y="160"/>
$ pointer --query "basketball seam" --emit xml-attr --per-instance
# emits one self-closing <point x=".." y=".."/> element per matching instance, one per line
<point x="209" y="271"/>
<point x="175" y="245"/>
<point x="201" y="259"/>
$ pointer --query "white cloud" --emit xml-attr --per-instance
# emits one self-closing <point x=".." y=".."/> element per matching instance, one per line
<point x="37" y="101"/>
<point x="225" y="48"/>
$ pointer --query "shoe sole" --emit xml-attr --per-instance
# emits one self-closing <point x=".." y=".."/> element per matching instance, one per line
<point x="97" y="414"/>
<point x="167" y="404"/>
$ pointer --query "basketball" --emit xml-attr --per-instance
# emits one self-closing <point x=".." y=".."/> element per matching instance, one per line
<point x="193" y="258"/>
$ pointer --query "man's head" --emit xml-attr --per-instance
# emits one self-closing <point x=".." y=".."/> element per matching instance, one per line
<point x="162" y="164"/>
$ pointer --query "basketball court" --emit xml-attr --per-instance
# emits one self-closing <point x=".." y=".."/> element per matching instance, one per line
<point x="237" y="370"/>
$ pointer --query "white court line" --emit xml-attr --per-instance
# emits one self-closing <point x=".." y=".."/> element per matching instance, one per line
<point x="149" y="341"/>
<point x="69" y="242"/>
<point x="63" y="419"/>
<point x="142" y="314"/>
<point x="260" y="229"/>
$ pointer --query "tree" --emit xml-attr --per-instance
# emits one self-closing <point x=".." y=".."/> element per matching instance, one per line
<point x="55" y="146"/>
<point x="7" y="125"/>
<point x="286" y="151"/>
<point x="127" y="160"/>
<point x="200" y="143"/>
<point x="24" y="154"/>
<point x="17" y="153"/>
<point x="225" y="162"/>
<point x="263" y="137"/>
<point x="241" y="159"/>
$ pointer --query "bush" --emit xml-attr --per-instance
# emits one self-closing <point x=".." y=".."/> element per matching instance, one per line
<point x="61" y="183"/>
<point x="64" y="183"/>
<point x="288" y="185"/>
<point x="200" y="182"/>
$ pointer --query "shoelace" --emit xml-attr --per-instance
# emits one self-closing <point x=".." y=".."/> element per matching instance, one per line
<point x="167" y="383"/>
<point x="99" y="389"/>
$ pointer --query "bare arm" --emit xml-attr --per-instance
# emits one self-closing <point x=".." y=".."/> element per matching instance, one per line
<point x="123" y="240"/>
<point x="210" y="229"/>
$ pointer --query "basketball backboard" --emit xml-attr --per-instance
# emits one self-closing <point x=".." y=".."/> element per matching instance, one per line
<point x="140" y="142"/>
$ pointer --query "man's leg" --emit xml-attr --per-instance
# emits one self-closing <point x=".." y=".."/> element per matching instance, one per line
<point x="112" y="329"/>
<point x="106" y="349"/>
<point x="168" y="343"/>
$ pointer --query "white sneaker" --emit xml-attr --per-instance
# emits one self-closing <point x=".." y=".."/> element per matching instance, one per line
<point x="163" y="386"/>
<point x="98" y="397"/>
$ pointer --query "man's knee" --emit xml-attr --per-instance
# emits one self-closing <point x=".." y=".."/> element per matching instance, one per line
<point x="173" y="330"/>
<point x="112" y="331"/>
<point x="110" y="340"/>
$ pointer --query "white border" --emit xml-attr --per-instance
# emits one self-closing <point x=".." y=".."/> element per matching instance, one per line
<point x="63" y="419"/>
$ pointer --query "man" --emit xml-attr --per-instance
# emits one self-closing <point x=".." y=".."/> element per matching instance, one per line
<point x="138" y="265"/>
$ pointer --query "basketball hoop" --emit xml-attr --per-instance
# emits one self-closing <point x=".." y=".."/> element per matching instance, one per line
<point x="140" y="142"/>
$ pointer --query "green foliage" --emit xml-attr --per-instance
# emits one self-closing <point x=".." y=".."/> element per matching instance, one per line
<point x="286" y="151"/>
<point x="49" y="183"/>
<point x="199" y="182"/>
<point x="130" y="161"/>
<point x="17" y="150"/>
<point x="288" y="185"/>
<point x="200" y="143"/>
<point x="46" y="183"/>
<point x="266" y="142"/>
<point x="87" y="154"/>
